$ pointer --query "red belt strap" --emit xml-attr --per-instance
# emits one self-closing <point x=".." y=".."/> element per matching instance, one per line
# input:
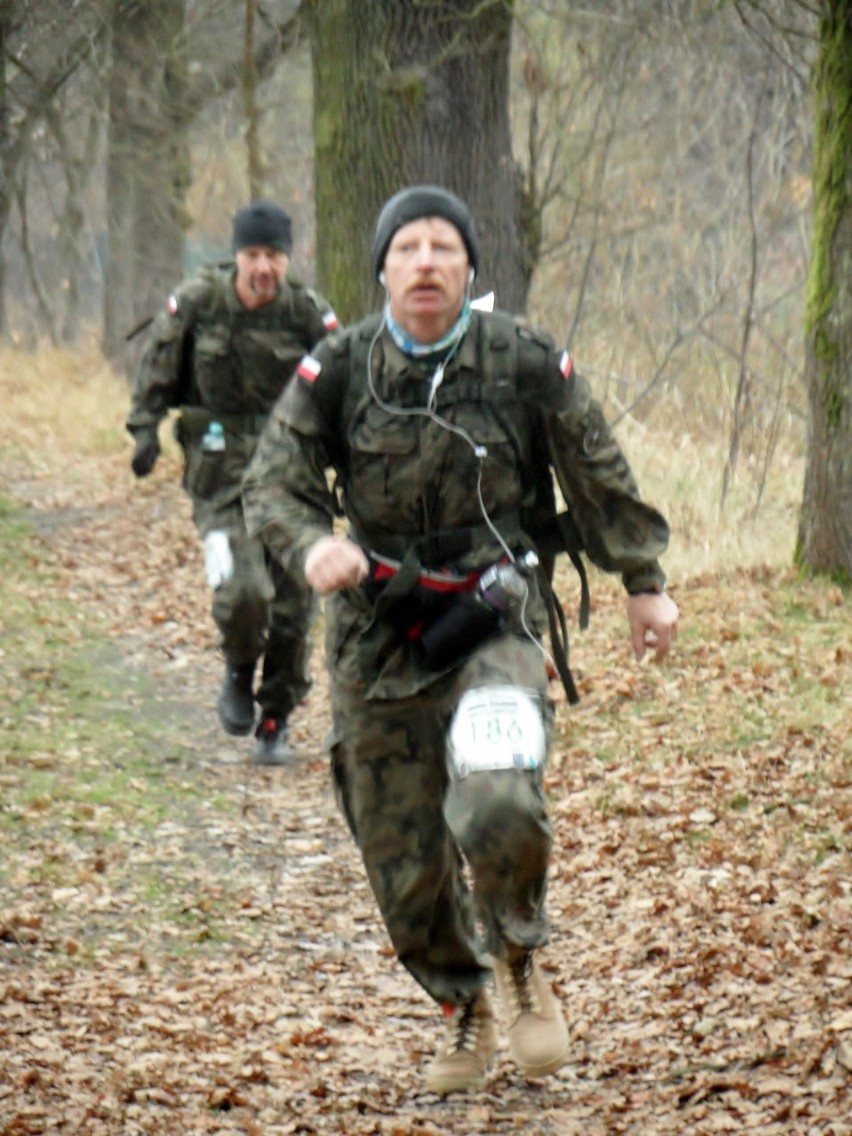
<point x="445" y="582"/>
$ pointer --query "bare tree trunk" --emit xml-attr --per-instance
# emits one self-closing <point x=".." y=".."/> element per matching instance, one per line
<point x="73" y="229"/>
<point x="825" y="524"/>
<point x="408" y="93"/>
<point x="147" y="168"/>
<point x="120" y="270"/>
<point x="42" y="299"/>
<point x="5" y="188"/>
<point x="254" y="156"/>
<point x="60" y="308"/>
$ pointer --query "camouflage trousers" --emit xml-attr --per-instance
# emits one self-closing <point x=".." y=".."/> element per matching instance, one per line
<point x="424" y="834"/>
<point x="261" y="611"/>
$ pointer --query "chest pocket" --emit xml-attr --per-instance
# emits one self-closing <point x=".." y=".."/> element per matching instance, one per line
<point x="216" y="377"/>
<point x="490" y="420"/>
<point x="383" y="466"/>
<point x="268" y="358"/>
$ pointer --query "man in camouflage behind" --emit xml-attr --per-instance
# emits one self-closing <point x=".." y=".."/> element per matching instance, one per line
<point x="433" y="416"/>
<point x="221" y="354"/>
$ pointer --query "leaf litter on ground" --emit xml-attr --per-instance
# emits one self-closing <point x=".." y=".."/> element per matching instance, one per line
<point x="188" y="943"/>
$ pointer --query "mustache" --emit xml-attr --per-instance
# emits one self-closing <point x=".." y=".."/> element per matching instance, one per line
<point x="427" y="279"/>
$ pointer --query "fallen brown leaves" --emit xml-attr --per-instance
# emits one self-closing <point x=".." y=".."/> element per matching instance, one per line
<point x="216" y="965"/>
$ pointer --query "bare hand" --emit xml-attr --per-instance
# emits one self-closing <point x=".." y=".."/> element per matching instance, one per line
<point x="653" y="623"/>
<point x="335" y="562"/>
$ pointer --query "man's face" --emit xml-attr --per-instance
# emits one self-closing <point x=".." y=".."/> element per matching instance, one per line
<point x="260" y="270"/>
<point x="426" y="275"/>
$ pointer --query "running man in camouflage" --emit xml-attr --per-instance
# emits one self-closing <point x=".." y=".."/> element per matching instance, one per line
<point x="221" y="353"/>
<point x="437" y="420"/>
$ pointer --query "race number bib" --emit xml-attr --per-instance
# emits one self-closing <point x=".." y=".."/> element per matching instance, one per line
<point x="496" y="727"/>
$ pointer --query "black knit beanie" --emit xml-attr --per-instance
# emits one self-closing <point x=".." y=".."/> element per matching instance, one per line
<point x="423" y="201"/>
<point x="262" y="223"/>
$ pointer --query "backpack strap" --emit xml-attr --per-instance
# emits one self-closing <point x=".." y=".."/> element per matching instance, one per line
<point x="550" y="532"/>
<point x="558" y="627"/>
<point x="560" y="534"/>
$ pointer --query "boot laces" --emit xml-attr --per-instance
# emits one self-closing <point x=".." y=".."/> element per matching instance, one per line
<point x="521" y="984"/>
<point x="466" y="1027"/>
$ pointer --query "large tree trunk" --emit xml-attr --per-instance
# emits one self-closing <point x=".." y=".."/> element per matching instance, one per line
<point x="5" y="164"/>
<point x="825" y="527"/>
<point x="405" y="93"/>
<point x="147" y="168"/>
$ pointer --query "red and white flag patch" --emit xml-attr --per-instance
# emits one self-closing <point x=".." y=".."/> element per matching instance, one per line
<point x="309" y="368"/>
<point x="330" y="321"/>
<point x="566" y="365"/>
<point x="172" y="304"/>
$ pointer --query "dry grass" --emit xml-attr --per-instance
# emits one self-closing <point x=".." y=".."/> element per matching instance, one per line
<point x="64" y="415"/>
<point x="59" y="404"/>
<point x="682" y="475"/>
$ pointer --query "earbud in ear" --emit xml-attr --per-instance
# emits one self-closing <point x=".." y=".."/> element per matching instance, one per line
<point x="470" y="275"/>
<point x="382" y="279"/>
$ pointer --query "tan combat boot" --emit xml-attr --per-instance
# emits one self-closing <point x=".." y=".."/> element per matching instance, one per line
<point x="538" y="1035"/>
<point x="471" y="1042"/>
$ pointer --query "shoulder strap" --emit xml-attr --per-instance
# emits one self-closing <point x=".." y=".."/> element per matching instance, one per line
<point x="302" y="298"/>
<point x="365" y="351"/>
<point x="499" y="349"/>
<point x="558" y="627"/>
<point x="204" y="290"/>
<point x="551" y="531"/>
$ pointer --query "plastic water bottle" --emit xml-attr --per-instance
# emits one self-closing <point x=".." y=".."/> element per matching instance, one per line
<point x="214" y="440"/>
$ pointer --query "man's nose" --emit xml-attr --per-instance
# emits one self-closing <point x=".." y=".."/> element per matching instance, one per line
<point x="425" y="255"/>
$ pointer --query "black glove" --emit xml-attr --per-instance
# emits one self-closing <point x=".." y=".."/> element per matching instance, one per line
<point x="144" y="457"/>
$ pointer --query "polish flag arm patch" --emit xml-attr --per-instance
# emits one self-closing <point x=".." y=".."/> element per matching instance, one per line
<point x="566" y="365"/>
<point x="330" y="321"/>
<point x="309" y="368"/>
<point x="172" y="304"/>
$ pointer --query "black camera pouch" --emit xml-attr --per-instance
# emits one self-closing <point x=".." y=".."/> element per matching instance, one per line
<point x="460" y="628"/>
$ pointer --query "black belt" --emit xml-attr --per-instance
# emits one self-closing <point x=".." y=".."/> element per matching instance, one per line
<point x="443" y="546"/>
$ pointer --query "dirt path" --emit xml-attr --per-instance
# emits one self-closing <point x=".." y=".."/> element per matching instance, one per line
<point x="700" y="946"/>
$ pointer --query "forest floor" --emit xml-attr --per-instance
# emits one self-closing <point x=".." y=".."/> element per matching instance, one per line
<point x="188" y="944"/>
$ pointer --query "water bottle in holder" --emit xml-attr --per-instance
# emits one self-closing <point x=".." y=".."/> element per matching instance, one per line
<point x="204" y="472"/>
<point x="213" y="441"/>
<point x="503" y="587"/>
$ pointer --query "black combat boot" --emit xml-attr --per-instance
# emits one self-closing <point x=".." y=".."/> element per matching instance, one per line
<point x="236" y="699"/>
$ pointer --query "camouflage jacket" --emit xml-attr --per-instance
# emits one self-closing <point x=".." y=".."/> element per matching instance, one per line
<point x="212" y="358"/>
<point x="509" y="401"/>
<point x="207" y="350"/>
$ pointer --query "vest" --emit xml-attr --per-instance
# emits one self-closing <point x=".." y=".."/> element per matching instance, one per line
<point x="235" y="361"/>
